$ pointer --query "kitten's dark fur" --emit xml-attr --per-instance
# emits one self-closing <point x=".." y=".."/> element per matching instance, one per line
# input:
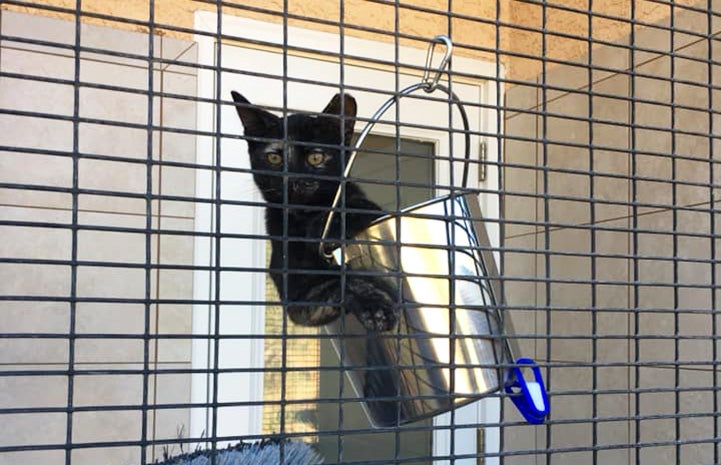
<point x="313" y="150"/>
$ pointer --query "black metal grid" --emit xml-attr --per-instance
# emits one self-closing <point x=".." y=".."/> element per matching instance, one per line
<point x="671" y="421"/>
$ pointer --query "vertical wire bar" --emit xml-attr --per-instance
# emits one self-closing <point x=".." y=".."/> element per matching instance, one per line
<point x="453" y="337"/>
<point x="594" y="269"/>
<point x="156" y="295"/>
<point x="399" y="294"/>
<point x="343" y="228"/>
<point x="148" y="234"/>
<point x="546" y="213"/>
<point x="74" y="239"/>
<point x="209" y="345"/>
<point x="674" y="220"/>
<point x="712" y="222"/>
<point x="286" y="201"/>
<point x="157" y="122"/>
<point x="629" y="263"/>
<point x="634" y="234"/>
<point x="342" y="236"/>
<point x="218" y="228"/>
<point x="500" y="111"/>
<point x="208" y="389"/>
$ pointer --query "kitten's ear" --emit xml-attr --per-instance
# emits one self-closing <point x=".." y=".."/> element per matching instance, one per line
<point x="255" y="120"/>
<point x="349" y="111"/>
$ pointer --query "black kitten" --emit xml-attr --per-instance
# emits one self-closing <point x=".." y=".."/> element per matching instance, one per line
<point x="312" y="165"/>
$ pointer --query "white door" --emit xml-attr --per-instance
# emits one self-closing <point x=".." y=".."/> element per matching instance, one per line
<point x="242" y="293"/>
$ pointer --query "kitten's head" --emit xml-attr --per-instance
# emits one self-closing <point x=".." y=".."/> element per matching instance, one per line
<point x="312" y="148"/>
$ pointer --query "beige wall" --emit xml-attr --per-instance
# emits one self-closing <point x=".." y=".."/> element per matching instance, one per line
<point x="432" y="19"/>
<point x="111" y="232"/>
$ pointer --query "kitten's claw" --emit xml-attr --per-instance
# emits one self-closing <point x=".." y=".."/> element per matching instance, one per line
<point x="373" y="304"/>
<point x="378" y="320"/>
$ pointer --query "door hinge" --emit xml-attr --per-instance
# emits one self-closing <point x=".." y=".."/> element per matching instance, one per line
<point x="480" y="446"/>
<point x="482" y="157"/>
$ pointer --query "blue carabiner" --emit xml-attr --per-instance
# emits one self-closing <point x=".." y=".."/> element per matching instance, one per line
<point x="530" y="397"/>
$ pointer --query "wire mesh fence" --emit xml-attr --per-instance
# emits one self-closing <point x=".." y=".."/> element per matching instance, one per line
<point x="150" y="303"/>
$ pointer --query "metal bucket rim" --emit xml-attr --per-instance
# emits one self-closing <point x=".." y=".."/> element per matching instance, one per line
<point x="416" y="206"/>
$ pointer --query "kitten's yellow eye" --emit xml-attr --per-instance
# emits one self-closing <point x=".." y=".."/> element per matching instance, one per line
<point x="316" y="158"/>
<point x="274" y="158"/>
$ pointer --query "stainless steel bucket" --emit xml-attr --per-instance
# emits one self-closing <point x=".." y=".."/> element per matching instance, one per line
<point x="449" y="348"/>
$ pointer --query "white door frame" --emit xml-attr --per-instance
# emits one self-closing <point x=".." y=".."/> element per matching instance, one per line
<point x="485" y="411"/>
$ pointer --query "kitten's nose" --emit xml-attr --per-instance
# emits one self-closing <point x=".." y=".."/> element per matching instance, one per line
<point x="303" y="186"/>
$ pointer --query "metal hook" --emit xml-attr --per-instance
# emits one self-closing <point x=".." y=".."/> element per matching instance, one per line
<point x="427" y="84"/>
<point x="431" y="82"/>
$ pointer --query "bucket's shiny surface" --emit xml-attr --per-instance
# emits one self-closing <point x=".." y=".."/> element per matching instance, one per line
<point x="449" y="343"/>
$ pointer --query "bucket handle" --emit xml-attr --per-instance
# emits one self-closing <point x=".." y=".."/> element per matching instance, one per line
<point x="429" y="83"/>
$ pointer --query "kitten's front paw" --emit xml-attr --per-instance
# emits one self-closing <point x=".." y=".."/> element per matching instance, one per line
<point x="373" y="304"/>
<point x="316" y="315"/>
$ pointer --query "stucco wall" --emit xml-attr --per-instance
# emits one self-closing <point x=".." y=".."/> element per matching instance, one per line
<point x="422" y="18"/>
<point x="610" y="249"/>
